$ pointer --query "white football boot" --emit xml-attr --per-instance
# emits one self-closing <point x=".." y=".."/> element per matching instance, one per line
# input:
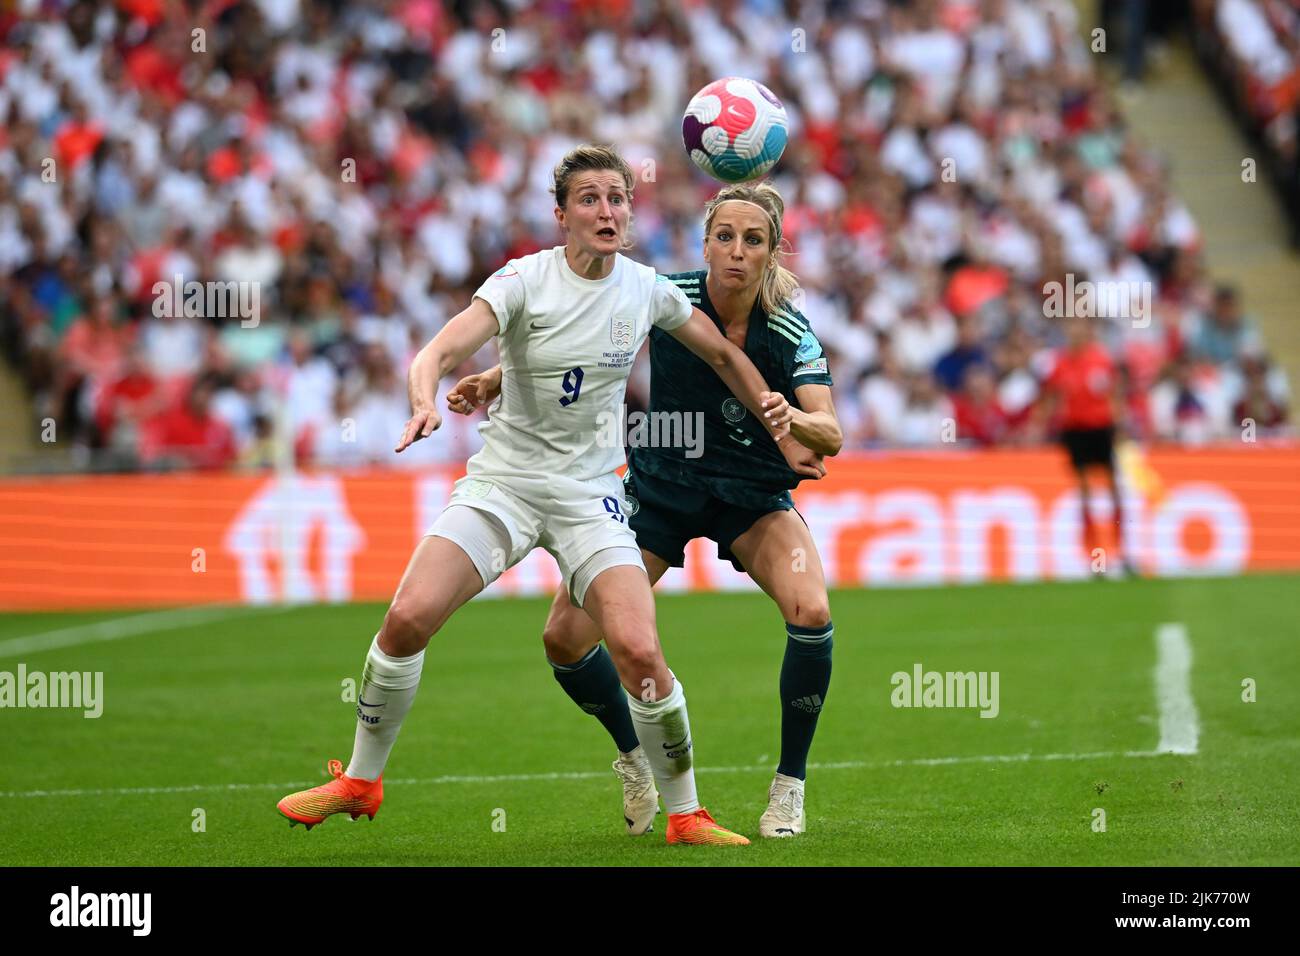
<point x="784" y="814"/>
<point x="640" y="797"/>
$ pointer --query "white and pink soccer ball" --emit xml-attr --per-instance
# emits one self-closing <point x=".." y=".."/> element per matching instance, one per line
<point x="734" y="129"/>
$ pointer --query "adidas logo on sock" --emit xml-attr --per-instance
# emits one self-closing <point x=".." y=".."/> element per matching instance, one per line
<point x="811" y="704"/>
<point x="592" y="708"/>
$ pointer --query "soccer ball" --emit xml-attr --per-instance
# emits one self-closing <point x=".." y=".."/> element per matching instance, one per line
<point x="734" y="129"/>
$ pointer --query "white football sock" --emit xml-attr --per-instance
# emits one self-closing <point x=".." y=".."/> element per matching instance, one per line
<point x="665" y="732"/>
<point x="388" y="687"/>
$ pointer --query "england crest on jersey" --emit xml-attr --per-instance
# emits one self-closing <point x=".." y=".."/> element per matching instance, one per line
<point x="620" y="332"/>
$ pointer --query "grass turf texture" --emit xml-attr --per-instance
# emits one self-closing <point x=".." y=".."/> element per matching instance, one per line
<point x="242" y="710"/>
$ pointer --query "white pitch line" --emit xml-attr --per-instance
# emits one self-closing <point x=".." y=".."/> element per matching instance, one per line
<point x="1179" y="727"/>
<point x="579" y="775"/>
<point x="120" y="627"/>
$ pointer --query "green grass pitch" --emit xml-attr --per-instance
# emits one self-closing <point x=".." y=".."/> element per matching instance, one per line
<point x="227" y="716"/>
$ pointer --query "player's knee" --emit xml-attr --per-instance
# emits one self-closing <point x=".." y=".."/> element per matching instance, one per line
<point x="812" y="610"/>
<point x="636" y="650"/>
<point x="563" y="641"/>
<point x="406" y="629"/>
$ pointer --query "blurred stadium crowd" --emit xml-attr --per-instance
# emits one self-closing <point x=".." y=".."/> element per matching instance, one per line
<point x="1253" y="48"/>
<point x="367" y="164"/>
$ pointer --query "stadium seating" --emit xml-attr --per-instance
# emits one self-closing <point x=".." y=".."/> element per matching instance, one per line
<point x="1252" y="49"/>
<point x="365" y="165"/>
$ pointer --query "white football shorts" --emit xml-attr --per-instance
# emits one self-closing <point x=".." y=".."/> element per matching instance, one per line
<point x="498" y="520"/>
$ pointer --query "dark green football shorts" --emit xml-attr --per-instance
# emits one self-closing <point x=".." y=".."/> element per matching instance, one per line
<point x="666" y="515"/>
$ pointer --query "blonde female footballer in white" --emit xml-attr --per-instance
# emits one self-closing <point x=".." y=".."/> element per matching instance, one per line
<point x="569" y="321"/>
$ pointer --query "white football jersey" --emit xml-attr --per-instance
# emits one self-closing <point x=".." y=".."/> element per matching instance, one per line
<point x="567" y="345"/>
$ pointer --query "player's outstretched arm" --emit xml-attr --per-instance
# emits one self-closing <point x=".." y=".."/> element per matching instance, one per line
<point x="814" y="423"/>
<point x="460" y="338"/>
<point x="733" y="366"/>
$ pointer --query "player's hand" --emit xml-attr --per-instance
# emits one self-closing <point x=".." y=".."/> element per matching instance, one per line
<point x="424" y="421"/>
<point x="802" y="461"/>
<point x="776" y="410"/>
<point x="474" y="390"/>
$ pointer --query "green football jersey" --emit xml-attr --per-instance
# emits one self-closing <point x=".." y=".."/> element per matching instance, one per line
<point x="737" y="461"/>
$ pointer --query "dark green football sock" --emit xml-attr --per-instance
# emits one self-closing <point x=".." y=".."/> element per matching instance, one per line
<point x="805" y="676"/>
<point x="594" y="686"/>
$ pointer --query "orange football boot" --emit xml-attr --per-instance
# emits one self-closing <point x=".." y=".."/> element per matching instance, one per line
<point x="343" y="794"/>
<point x="699" y="827"/>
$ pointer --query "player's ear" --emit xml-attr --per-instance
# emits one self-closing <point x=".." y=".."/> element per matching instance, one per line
<point x="559" y="217"/>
